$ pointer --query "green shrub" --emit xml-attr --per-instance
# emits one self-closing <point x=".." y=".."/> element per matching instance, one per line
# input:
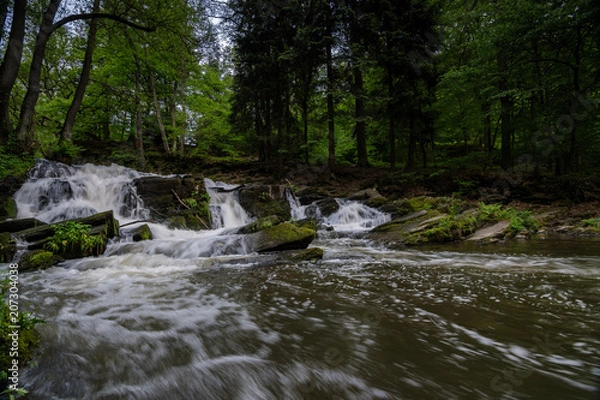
<point x="75" y="236"/>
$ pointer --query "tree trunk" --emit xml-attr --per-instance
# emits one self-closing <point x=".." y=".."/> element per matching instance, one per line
<point x="412" y="144"/>
<point x="506" y="105"/>
<point x="330" y="110"/>
<point x="10" y="66"/>
<point x="392" y="125"/>
<point x="487" y="127"/>
<point x="139" y="138"/>
<point x="161" y="126"/>
<point x="182" y="95"/>
<point x="66" y="133"/>
<point x="360" y="129"/>
<point x="33" y="89"/>
<point x="3" y="14"/>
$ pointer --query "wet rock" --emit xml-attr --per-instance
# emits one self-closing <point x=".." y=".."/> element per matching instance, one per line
<point x="261" y="201"/>
<point x="101" y="224"/>
<point x="17" y="225"/>
<point x="307" y="255"/>
<point x="490" y="233"/>
<point x="180" y="201"/>
<point x="138" y="233"/>
<point x="322" y="208"/>
<point x="285" y="236"/>
<point x="7" y="247"/>
<point x="8" y="208"/>
<point x="38" y="259"/>
<point x="260" y="224"/>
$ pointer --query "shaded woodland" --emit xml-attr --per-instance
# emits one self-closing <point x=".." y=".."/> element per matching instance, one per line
<point x="404" y="85"/>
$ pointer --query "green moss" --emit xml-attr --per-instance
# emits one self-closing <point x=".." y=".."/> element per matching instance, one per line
<point x="310" y="254"/>
<point x="9" y="208"/>
<point x="43" y="259"/>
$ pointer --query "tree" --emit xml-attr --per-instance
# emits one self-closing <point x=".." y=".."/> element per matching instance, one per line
<point x="10" y="65"/>
<point x="47" y="27"/>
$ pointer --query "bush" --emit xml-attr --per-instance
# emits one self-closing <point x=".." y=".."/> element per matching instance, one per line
<point x="75" y="236"/>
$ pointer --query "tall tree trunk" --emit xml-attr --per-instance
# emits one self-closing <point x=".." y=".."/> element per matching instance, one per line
<point x="3" y="14"/>
<point x="33" y="89"/>
<point x="330" y="109"/>
<point x="506" y="105"/>
<point x="392" y="125"/>
<point x="66" y="133"/>
<point x="182" y="95"/>
<point x="10" y="66"/>
<point x="487" y="127"/>
<point x="139" y="138"/>
<point x="161" y="126"/>
<point x="360" y="129"/>
<point x="412" y="143"/>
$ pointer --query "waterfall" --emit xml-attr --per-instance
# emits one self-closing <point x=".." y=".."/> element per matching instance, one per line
<point x="355" y="216"/>
<point x="56" y="192"/>
<point x="225" y="210"/>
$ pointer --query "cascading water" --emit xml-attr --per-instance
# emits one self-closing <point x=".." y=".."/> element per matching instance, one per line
<point x="226" y="211"/>
<point x="189" y="315"/>
<point x="57" y="192"/>
<point x="353" y="216"/>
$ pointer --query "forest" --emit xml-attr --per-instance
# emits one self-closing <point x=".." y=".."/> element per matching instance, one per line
<point x="403" y="84"/>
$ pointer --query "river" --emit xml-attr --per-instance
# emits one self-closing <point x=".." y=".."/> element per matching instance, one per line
<point x="181" y="318"/>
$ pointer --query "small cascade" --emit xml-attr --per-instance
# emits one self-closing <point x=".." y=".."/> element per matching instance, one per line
<point x="354" y="216"/>
<point x="56" y="192"/>
<point x="225" y="210"/>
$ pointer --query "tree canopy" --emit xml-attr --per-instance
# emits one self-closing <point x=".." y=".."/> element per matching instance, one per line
<point x="409" y="83"/>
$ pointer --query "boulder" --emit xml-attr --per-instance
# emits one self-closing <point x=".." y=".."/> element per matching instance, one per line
<point x="103" y="224"/>
<point x="179" y="201"/>
<point x="7" y="248"/>
<point x="490" y="233"/>
<point x="38" y="259"/>
<point x="138" y="233"/>
<point x="285" y="236"/>
<point x="8" y="208"/>
<point x="16" y="225"/>
<point x="260" y="224"/>
<point x="262" y="201"/>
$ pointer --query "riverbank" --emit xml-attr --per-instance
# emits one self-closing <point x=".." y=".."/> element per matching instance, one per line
<point x="566" y="206"/>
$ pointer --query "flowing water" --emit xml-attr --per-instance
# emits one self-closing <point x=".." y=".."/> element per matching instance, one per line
<point x="192" y="316"/>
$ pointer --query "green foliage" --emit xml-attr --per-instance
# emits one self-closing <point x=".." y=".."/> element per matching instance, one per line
<point x="491" y="212"/>
<point x="74" y="236"/>
<point x="593" y="223"/>
<point x="14" y="165"/>
<point x="522" y="220"/>
<point x="519" y="220"/>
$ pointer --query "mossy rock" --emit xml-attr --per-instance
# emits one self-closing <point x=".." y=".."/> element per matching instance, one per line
<point x="7" y="248"/>
<point x="38" y="259"/>
<point x="177" y="222"/>
<point x="260" y="224"/>
<point x="139" y="233"/>
<point x="261" y="201"/>
<point x="307" y="255"/>
<point x="285" y="236"/>
<point x="8" y="208"/>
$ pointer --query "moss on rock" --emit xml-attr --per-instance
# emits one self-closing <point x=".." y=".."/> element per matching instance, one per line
<point x="285" y="236"/>
<point x="37" y="259"/>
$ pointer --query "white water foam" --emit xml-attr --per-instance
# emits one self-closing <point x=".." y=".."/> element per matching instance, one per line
<point x="225" y="210"/>
<point x="353" y="216"/>
<point x="56" y="192"/>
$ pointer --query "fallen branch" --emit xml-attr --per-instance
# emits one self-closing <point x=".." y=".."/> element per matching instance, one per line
<point x="137" y="222"/>
<point x="189" y="208"/>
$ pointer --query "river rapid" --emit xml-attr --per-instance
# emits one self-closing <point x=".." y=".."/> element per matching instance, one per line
<point x="192" y="316"/>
